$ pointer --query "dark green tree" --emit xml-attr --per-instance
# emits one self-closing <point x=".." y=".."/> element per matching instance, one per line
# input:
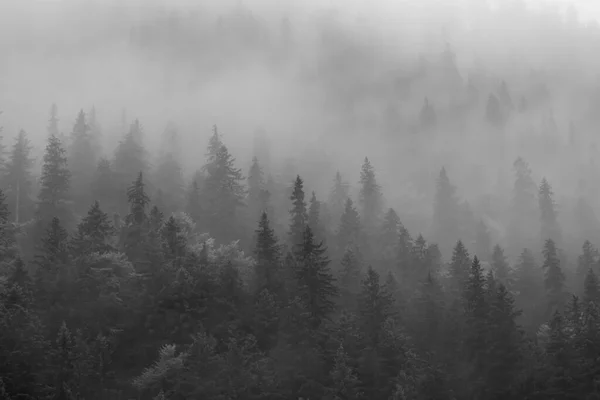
<point x="95" y="233"/>
<point x="267" y="253"/>
<point x="459" y="268"/>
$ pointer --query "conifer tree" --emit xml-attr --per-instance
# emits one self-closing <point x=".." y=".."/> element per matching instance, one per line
<point x="95" y="131"/>
<point x="523" y="222"/>
<point x="337" y="197"/>
<point x="370" y="198"/>
<point x="174" y="243"/>
<point x="168" y="174"/>
<point x="591" y="288"/>
<point x="298" y="213"/>
<point x="476" y="311"/>
<point x="500" y="266"/>
<point x="349" y="231"/>
<point x="52" y="127"/>
<point x="460" y="266"/>
<point x="375" y="306"/>
<point x="137" y="224"/>
<point x="388" y="238"/>
<point x="103" y="187"/>
<point x="483" y="242"/>
<point x="51" y="260"/>
<point x="345" y="382"/>
<point x="446" y="210"/>
<point x="549" y="223"/>
<point x="314" y="218"/>
<point x="8" y="248"/>
<point x="586" y="260"/>
<point x="193" y="203"/>
<point x="428" y="311"/>
<point x="55" y="185"/>
<point x="316" y="283"/>
<point x="349" y="277"/>
<point x="95" y="233"/>
<point x="267" y="253"/>
<point x="129" y="160"/>
<point x="18" y="179"/>
<point x="82" y="162"/>
<point x="554" y="278"/>
<point x="224" y="194"/>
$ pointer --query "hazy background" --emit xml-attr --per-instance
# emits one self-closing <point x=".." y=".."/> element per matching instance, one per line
<point x="329" y="81"/>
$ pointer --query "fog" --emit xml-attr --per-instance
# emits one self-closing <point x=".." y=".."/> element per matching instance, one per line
<point x="347" y="80"/>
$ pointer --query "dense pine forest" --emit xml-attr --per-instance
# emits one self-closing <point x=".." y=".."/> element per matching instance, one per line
<point x="131" y="270"/>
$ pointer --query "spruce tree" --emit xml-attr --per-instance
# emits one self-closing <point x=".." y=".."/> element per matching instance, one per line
<point x="388" y="237"/>
<point x="18" y="179"/>
<point x="193" y="205"/>
<point x="52" y="127"/>
<point x="554" y="278"/>
<point x="428" y="309"/>
<point x="104" y="188"/>
<point x="349" y="277"/>
<point x="267" y="253"/>
<point x="298" y="214"/>
<point x="500" y="266"/>
<point x="55" y="184"/>
<point x="483" y="242"/>
<point x="591" y="288"/>
<point x="476" y="311"/>
<point x="316" y="283"/>
<point x="51" y="260"/>
<point x="82" y="162"/>
<point x="548" y="215"/>
<point x="345" y="384"/>
<point x="349" y="231"/>
<point x="337" y="197"/>
<point x="173" y="241"/>
<point x="129" y="160"/>
<point x="314" y="218"/>
<point x="586" y="260"/>
<point x="375" y="306"/>
<point x="223" y="195"/>
<point x="168" y="174"/>
<point x="446" y="211"/>
<point x="95" y="233"/>
<point x="459" y="267"/>
<point x="523" y="222"/>
<point x="134" y="235"/>
<point x="370" y="198"/>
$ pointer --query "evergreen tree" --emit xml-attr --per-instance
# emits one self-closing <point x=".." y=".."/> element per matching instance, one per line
<point x="345" y="384"/>
<point x="174" y="242"/>
<point x="52" y="260"/>
<point x="549" y="223"/>
<point x="349" y="277"/>
<point x="267" y="253"/>
<point x="193" y="204"/>
<point x="224" y="194"/>
<point x="375" y="306"/>
<point x="338" y="196"/>
<point x="428" y="312"/>
<point x="500" y="267"/>
<point x="168" y="174"/>
<point x="554" y="278"/>
<point x="591" y="288"/>
<point x="82" y="162"/>
<point x="18" y="179"/>
<point x="55" y="185"/>
<point x="298" y="213"/>
<point x="95" y="233"/>
<point x="387" y="244"/>
<point x="129" y="160"/>
<point x="52" y="127"/>
<point x="136" y="222"/>
<point x="446" y="210"/>
<point x="586" y="261"/>
<point x="459" y="267"/>
<point x="349" y="232"/>
<point x="483" y="242"/>
<point x="314" y="218"/>
<point x="103" y="187"/>
<point x="316" y="283"/>
<point x="95" y="131"/>
<point x="523" y="222"/>
<point x="370" y="198"/>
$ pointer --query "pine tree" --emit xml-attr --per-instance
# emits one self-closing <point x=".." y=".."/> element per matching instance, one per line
<point x="138" y="202"/>
<point x="168" y="174"/>
<point x="349" y="277"/>
<point x="267" y="253"/>
<point x="174" y="242"/>
<point x="52" y="259"/>
<point x="388" y="238"/>
<point x="446" y="210"/>
<point x="18" y="179"/>
<point x="586" y="261"/>
<point x="82" y="162"/>
<point x="337" y="197"/>
<point x="476" y="311"/>
<point x="298" y="214"/>
<point x="134" y="234"/>
<point x="55" y="185"/>
<point x="554" y="278"/>
<point x="104" y="188"/>
<point x="505" y="346"/>
<point x="523" y="222"/>
<point x="315" y="281"/>
<point x="129" y="160"/>
<point x="224" y="194"/>
<point x="483" y="242"/>
<point x="350" y="231"/>
<point x="375" y="306"/>
<point x="345" y="384"/>
<point x="459" y="267"/>
<point x="428" y="310"/>
<point x="500" y="266"/>
<point x="549" y="223"/>
<point x="591" y="288"/>
<point x="370" y="198"/>
<point x="95" y="233"/>
<point x="314" y="218"/>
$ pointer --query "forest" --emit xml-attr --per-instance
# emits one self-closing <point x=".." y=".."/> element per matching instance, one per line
<point x="150" y="261"/>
